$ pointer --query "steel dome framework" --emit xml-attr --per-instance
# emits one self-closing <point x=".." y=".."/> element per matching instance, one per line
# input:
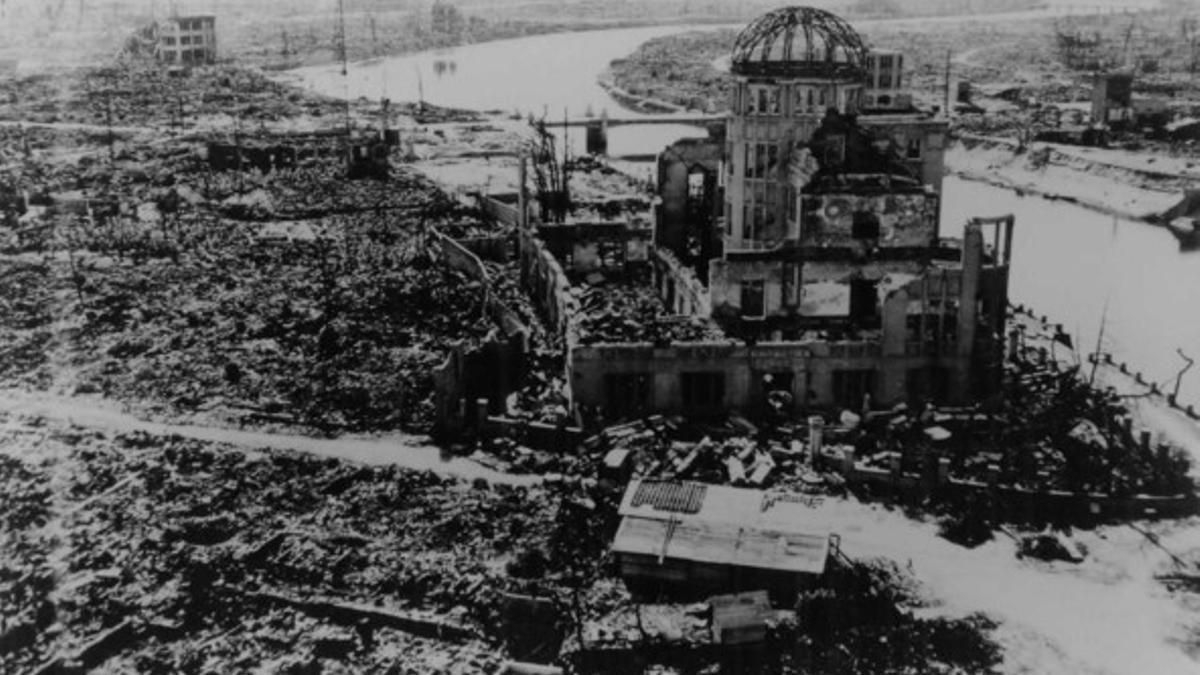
<point x="799" y="42"/>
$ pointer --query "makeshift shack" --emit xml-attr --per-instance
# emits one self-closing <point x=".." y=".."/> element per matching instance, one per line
<point x="692" y="539"/>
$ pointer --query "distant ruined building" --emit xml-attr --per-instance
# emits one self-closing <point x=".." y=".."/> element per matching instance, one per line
<point x="177" y="41"/>
<point x="187" y="40"/>
<point x="1079" y="51"/>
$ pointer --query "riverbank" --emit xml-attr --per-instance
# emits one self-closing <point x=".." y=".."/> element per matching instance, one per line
<point x="1104" y="181"/>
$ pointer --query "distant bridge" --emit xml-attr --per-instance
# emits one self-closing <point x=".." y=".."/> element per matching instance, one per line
<point x="597" y="127"/>
<point x="688" y="119"/>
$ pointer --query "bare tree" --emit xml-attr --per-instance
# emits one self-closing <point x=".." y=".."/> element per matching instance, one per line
<point x="1179" y="376"/>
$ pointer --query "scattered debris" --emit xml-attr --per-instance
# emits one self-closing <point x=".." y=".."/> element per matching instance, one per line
<point x="1051" y="547"/>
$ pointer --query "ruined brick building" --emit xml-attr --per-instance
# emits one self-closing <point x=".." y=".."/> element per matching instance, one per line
<point x="810" y="235"/>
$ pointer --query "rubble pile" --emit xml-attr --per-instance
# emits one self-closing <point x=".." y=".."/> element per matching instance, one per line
<point x="542" y="398"/>
<point x="680" y="626"/>
<point x="24" y="320"/>
<point x="469" y="228"/>
<point x="342" y="349"/>
<point x="861" y="620"/>
<point x="737" y="452"/>
<point x="1056" y="433"/>
<point x="320" y="190"/>
<point x="224" y="560"/>
<point x="18" y="142"/>
<point x="1066" y="434"/>
<point x="616" y="312"/>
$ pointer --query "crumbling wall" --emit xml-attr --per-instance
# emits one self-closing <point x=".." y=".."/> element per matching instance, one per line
<point x="504" y="208"/>
<point x="811" y="288"/>
<point x="928" y="162"/>
<point x="679" y="288"/>
<point x="904" y="219"/>
<point x="727" y="276"/>
<point x="811" y="365"/>
<point x="612" y="247"/>
<point x="546" y="283"/>
<point x="492" y="371"/>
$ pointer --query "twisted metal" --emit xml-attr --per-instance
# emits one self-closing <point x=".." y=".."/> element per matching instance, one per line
<point x="799" y="41"/>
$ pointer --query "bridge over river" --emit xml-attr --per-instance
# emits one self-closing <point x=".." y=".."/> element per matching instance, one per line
<point x="597" y="127"/>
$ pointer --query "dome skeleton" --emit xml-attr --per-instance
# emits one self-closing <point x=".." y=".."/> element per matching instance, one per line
<point x="826" y="37"/>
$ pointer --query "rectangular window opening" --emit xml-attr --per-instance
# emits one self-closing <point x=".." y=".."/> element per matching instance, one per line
<point x="850" y="387"/>
<point x="703" y="392"/>
<point x="626" y="395"/>
<point x="753" y="298"/>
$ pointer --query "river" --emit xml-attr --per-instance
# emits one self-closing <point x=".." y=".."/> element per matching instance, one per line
<point x="1069" y="262"/>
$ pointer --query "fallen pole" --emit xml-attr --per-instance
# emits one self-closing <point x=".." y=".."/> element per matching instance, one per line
<point x="350" y="613"/>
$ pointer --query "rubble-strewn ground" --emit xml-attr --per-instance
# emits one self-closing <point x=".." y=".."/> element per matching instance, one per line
<point x="621" y="312"/>
<point x="188" y="310"/>
<point x="294" y="297"/>
<point x="99" y="527"/>
<point x="137" y="93"/>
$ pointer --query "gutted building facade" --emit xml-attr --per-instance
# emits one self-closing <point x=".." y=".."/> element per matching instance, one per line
<point x="829" y="275"/>
<point x="886" y="88"/>
<point x="689" y="191"/>
<point x="187" y="40"/>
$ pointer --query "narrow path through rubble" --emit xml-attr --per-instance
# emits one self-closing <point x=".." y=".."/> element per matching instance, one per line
<point x="404" y="450"/>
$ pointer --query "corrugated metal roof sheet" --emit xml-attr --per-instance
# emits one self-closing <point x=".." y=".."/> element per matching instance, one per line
<point x="691" y="501"/>
<point x="670" y="497"/>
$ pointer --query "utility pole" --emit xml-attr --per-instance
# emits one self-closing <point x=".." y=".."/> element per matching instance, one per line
<point x="1103" y="317"/>
<point x="566" y="173"/>
<point x="341" y="35"/>
<point x="347" y="147"/>
<point x="420" y="90"/>
<point x="947" y="92"/>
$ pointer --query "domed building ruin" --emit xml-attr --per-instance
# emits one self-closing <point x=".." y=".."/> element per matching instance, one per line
<point x="810" y="234"/>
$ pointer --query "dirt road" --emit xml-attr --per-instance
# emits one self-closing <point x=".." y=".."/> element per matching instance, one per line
<point x="408" y="451"/>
